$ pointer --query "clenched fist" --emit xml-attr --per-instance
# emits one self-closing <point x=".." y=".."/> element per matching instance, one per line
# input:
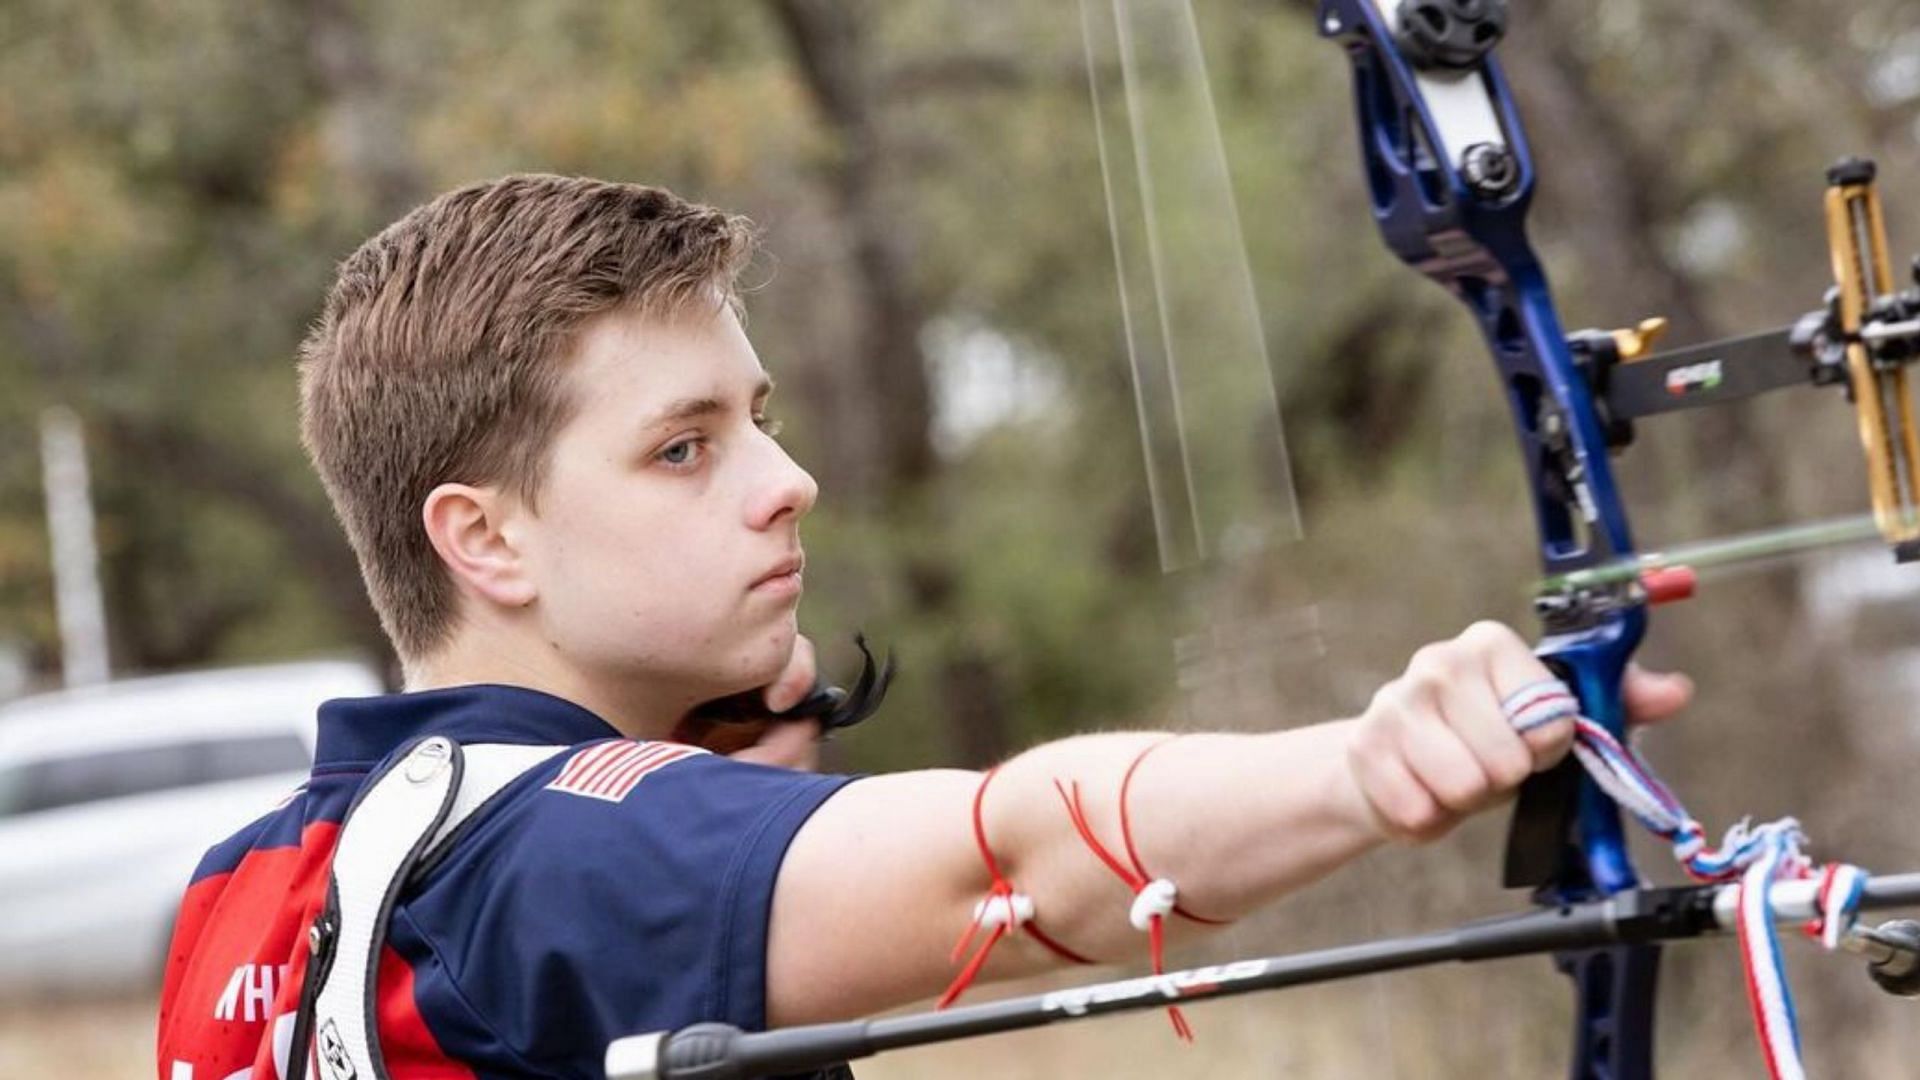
<point x="1434" y="745"/>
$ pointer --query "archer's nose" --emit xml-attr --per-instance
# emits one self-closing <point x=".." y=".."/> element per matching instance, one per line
<point x="786" y="494"/>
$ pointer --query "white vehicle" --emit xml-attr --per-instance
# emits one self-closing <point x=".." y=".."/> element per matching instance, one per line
<point x="109" y="795"/>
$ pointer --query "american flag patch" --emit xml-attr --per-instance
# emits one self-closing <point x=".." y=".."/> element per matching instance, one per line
<point x="610" y="770"/>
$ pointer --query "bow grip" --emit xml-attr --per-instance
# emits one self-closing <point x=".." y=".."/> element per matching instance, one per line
<point x="1566" y="840"/>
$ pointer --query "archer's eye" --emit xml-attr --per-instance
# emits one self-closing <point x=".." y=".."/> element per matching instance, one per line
<point x="683" y="454"/>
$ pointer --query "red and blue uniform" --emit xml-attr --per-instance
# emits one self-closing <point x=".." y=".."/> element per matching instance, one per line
<point x="614" y="889"/>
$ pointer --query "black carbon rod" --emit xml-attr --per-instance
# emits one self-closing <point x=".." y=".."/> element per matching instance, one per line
<point x="723" y="1052"/>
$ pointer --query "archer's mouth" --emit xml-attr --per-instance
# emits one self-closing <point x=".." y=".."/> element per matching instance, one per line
<point x="786" y="577"/>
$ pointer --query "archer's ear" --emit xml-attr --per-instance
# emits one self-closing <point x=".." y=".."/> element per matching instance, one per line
<point x="467" y="527"/>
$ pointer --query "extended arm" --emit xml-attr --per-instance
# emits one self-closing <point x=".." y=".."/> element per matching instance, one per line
<point x="879" y="883"/>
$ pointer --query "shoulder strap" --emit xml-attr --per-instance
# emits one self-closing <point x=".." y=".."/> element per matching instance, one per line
<point x="404" y="819"/>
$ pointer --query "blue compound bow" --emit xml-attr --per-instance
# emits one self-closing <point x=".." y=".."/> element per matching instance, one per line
<point x="1450" y="179"/>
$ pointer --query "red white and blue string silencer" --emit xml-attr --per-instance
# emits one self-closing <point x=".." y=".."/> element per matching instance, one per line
<point x="1758" y="856"/>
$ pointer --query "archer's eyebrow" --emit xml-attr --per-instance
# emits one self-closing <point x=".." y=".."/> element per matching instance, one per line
<point x="691" y="408"/>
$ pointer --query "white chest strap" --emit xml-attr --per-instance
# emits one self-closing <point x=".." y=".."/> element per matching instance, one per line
<point x="400" y="822"/>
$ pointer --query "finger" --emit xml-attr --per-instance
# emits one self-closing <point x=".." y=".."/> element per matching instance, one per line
<point x="1441" y="761"/>
<point x="1508" y="666"/>
<point x="1401" y="805"/>
<point x="1549" y="742"/>
<point x="1470" y="705"/>
<point x="790" y="744"/>
<point x="1654" y="695"/>
<point x="1544" y="713"/>
<point x="796" y="681"/>
<point x="1471" y="708"/>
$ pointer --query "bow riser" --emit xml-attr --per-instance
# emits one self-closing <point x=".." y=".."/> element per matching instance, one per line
<point x="1450" y="180"/>
<point x="1468" y="233"/>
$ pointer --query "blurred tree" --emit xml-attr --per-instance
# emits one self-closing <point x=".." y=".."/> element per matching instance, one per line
<point x="938" y="302"/>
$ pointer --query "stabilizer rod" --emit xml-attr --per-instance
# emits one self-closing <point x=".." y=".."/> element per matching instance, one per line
<point x="724" y="1052"/>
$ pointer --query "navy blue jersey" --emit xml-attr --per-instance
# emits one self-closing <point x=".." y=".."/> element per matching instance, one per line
<point x="620" y="887"/>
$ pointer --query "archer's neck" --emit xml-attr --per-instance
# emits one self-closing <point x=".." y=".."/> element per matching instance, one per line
<point x="636" y="707"/>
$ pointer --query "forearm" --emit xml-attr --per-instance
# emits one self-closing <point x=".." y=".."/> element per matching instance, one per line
<point x="1233" y="820"/>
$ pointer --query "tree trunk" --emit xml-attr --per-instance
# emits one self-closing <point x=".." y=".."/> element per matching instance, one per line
<point x="832" y="53"/>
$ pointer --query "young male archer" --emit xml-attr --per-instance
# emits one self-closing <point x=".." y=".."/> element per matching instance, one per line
<point x="547" y="437"/>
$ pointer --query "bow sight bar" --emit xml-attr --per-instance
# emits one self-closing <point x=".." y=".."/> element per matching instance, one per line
<point x="1862" y="339"/>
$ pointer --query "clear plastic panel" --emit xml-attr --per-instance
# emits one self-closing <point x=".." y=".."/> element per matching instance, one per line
<point x="1216" y="457"/>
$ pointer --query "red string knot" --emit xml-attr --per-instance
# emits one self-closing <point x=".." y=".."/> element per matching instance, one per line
<point x="1010" y="909"/>
<point x="1155" y="900"/>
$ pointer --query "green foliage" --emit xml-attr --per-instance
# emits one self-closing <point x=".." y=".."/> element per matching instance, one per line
<point x="177" y="180"/>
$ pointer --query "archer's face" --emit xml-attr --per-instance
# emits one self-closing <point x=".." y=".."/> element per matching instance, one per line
<point x="667" y="538"/>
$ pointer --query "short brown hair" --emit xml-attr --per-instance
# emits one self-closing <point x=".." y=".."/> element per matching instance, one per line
<point x="438" y="356"/>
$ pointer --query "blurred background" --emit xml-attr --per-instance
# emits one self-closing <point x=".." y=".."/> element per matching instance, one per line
<point x="938" y="301"/>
